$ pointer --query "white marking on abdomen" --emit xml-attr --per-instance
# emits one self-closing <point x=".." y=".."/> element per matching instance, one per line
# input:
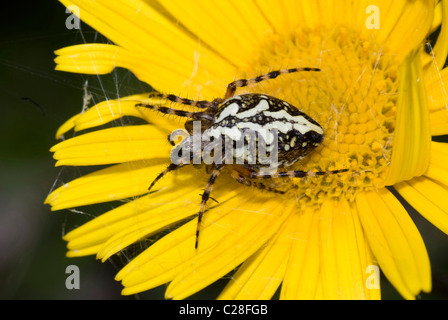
<point x="301" y="121"/>
<point x="230" y="110"/>
<point x="261" y="106"/>
<point x="235" y="132"/>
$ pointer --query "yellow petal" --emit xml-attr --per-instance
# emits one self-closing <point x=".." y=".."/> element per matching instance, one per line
<point x="67" y="126"/>
<point x="437" y="20"/>
<point x="343" y="251"/>
<point x="437" y="170"/>
<point x="437" y="92"/>
<point x="126" y="236"/>
<point x="302" y="270"/>
<point x="103" y="58"/>
<point x="397" y="23"/>
<point x="88" y="58"/>
<point x="113" y="183"/>
<point x="169" y="205"/>
<point x="395" y="242"/>
<point x="242" y="220"/>
<point x="440" y="50"/>
<point x="207" y="267"/>
<point x="83" y="252"/>
<point x="218" y="30"/>
<point x="113" y="145"/>
<point x="185" y="62"/>
<point x="278" y="14"/>
<point x="261" y="275"/>
<point x="421" y="193"/>
<point x="412" y="125"/>
<point x="130" y="273"/>
<point x="425" y="193"/>
<point x="109" y="110"/>
<point x="438" y="100"/>
<point x="439" y="122"/>
<point x="156" y="210"/>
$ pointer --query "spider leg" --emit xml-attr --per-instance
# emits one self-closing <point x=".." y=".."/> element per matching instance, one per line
<point x="203" y="104"/>
<point x="168" y="169"/>
<point x="180" y="113"/>
<point x="205" y="197"/>
<point x="294" y="174"/>
<point x="243" y="180"/>
<point x="231" y="88"/>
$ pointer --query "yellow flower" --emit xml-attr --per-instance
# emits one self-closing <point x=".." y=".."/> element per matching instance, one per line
<point x="379" y="98"/>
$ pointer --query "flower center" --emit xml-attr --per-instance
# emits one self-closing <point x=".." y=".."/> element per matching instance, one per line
<point x="353" y="98"/>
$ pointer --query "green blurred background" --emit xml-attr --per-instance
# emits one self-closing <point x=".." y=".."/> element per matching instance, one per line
<point x="35" y="101"/>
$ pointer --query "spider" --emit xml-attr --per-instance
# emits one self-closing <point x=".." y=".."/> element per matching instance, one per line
<point x="296" y="136"/>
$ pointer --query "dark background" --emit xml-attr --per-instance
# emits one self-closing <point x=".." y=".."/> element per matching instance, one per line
<point x="35" y="101"/>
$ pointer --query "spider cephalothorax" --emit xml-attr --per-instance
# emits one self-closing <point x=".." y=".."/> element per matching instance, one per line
<point x="254" y="133"/>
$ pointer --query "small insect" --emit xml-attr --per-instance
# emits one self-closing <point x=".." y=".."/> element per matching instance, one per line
<point x="227" y="117"/>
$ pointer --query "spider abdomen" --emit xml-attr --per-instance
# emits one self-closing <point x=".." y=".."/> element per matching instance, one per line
<point x="252" y="121"/>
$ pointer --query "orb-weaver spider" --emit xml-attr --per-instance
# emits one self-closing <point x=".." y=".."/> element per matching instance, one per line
<point x="297" y="133"/>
